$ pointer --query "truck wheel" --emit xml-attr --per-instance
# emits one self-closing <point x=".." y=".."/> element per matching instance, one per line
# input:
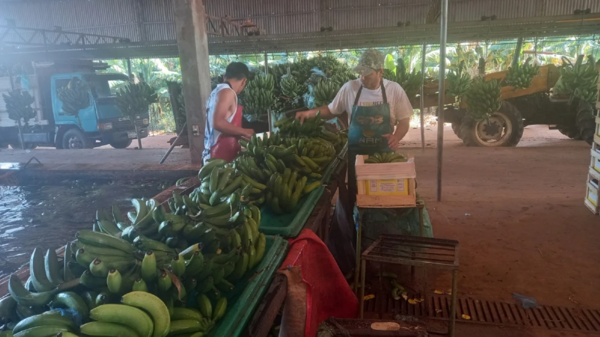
<point x="503" y="128"/>
<point x="586" y="121"/>
<point x="121" y="144"/>
<point x="571" y="131"/>
<point x="75" y="139"/>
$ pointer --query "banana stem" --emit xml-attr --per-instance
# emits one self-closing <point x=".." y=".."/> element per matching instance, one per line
<point x="139" y="139"/>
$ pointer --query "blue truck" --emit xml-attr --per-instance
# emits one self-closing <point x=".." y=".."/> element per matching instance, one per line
<point x="102" y="122"/>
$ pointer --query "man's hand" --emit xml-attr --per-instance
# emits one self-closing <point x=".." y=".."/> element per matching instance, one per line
<point x="247" y="133"/>
<point x="302" y="115"/>
<point x="393" y="141"/>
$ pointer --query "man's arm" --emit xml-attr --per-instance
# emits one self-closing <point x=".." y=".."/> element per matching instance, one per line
<point x="225" y="102"/>
<point x="402" y="111"/>
<point x="338" y="104"/>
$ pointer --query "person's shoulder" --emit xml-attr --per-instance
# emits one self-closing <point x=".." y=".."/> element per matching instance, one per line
<point x="352" y="85"/>
<point x="393" y="86"/>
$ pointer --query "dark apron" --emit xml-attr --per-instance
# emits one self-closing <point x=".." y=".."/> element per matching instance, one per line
<point x="367" y="126"/>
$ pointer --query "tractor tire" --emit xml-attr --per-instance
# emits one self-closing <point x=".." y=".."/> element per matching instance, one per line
<point x="456" y="129"/>
<point x="571" y="131"/>
<point x="586" y="121"/>
<point x="505" y="128"/>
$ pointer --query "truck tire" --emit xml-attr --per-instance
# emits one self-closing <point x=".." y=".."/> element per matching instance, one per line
<point x="586" y="121"/>
<point x="505" y="128"/>
<point x="571" y="131"/>
<point x="121" y="144"/>
<point x="75" y="139"/>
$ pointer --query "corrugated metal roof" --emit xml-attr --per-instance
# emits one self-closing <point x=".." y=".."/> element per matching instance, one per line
<point x="154" y="20"/>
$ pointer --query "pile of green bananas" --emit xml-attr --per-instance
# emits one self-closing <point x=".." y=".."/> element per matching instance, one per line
<point x="134" y="98"/>
<point x="18" y="105"/>
<point x="139" y="314"/>
<point x="285" y="190"/>
<point x="579" y="80"/>
<point x="197" y="248"/>
<point x="458" y="81"/>
<point x="75" y="96"/>
<point x="387" y="157"/>
<point x="324" y="92"/>
<point x="483" y="98"/>
<point x="520" y="76"/>
<point x="409" y="81"/>
<point x="258" y="95"/>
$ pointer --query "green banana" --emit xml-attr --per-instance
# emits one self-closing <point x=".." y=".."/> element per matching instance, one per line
<point x="107" y="329"/>
<point x="185" y="313"/>
<point x="204" y="305"/>
<point x="220" y="309"/>
<point x="154" y="306"/>
<point x="25" y="297"/>
<point x="38" y="272"/>
<point x="104" y="240"/>
<point x="184" y="326"/>
<point x="127" y="315"/>
<point x="44" y="319"/>
<point x="52" y="268"/>
<point x="71" y="300"/>
<point x="114" y="281"/>
<point x="42" y="331"/>
<point x="149" y="267"/>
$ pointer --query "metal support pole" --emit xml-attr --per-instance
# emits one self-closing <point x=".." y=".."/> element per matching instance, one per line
<point x="129" y="67"/>
<point x="422" y="107"/>
<point x="266" y="63"/>
<point x="441" y="98"/>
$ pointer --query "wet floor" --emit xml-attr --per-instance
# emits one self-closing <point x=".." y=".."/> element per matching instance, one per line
<point x="48" y="215"/>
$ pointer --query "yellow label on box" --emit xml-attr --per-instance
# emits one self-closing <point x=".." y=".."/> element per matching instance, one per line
<point x="593" y="197"/>
<point x="387" y="187"/>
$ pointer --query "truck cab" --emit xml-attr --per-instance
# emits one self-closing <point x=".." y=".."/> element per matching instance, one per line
<point x="102" y="122"/>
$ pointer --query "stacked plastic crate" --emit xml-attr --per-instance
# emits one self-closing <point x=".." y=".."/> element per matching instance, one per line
<point x="591" y="193"/>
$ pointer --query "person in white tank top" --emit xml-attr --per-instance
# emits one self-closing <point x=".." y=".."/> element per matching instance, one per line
<point x="222" y="108"/>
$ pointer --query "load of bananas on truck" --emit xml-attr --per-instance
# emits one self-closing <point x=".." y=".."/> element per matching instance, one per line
<point x="134" y="98"/>
<point x="149" y="273"/>
<point x="18" y="105"/>
<point x="386" y="157"/>
<point x="578" y="80"/>
<point x="458" y="81"/>
<point x="483" y="98"/>
<point x="520" y="76"/>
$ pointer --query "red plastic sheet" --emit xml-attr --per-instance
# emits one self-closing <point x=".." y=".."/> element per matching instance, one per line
<point x="327" y="292"/>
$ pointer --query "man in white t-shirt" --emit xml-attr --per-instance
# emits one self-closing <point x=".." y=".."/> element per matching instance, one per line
<point x="370" y="68"/>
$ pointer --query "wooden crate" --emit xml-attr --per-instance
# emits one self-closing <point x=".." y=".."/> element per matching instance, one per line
<point x="390" y="185"/>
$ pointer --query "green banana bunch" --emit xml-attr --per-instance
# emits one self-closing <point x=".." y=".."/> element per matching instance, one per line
<point x="458" y="81"/>
<point x="520" y="76"/>
<point x="46" y="324"/>
<point x="324" y="92"/>
<point x="290" y="87"/>
<point x="75" y="96"/>
<point x="134" y="98"/>
<point x="18" y="105"/>
<point x="578" y="81"/>
<point x="258" y="95"/>
<point x="409" y="81"/>
<point x="387" y="157"/>
<point x="483" y="98"/>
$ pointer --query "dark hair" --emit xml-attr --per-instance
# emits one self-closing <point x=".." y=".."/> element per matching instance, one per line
<point x="237" y="70"/>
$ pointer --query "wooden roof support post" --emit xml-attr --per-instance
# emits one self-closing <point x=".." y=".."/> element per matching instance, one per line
<point x="192" y="42"/>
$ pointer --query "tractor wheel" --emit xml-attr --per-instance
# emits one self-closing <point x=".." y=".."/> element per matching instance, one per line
<point x="456" y="129"/>
<point x="586" y="121"/>
<point x="503" y="128"/>
<point x="571" y="131"/>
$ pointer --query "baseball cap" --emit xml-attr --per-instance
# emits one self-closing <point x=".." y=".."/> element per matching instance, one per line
<point x="370" y="61"/>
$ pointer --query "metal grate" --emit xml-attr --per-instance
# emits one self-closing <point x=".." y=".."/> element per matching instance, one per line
<point x="489" y="312"/>
<point x="414" y="251"/>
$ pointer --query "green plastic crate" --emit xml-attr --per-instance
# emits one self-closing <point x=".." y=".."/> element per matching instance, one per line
<point x="289" y="225"/>
<point x="245" y="297"/>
